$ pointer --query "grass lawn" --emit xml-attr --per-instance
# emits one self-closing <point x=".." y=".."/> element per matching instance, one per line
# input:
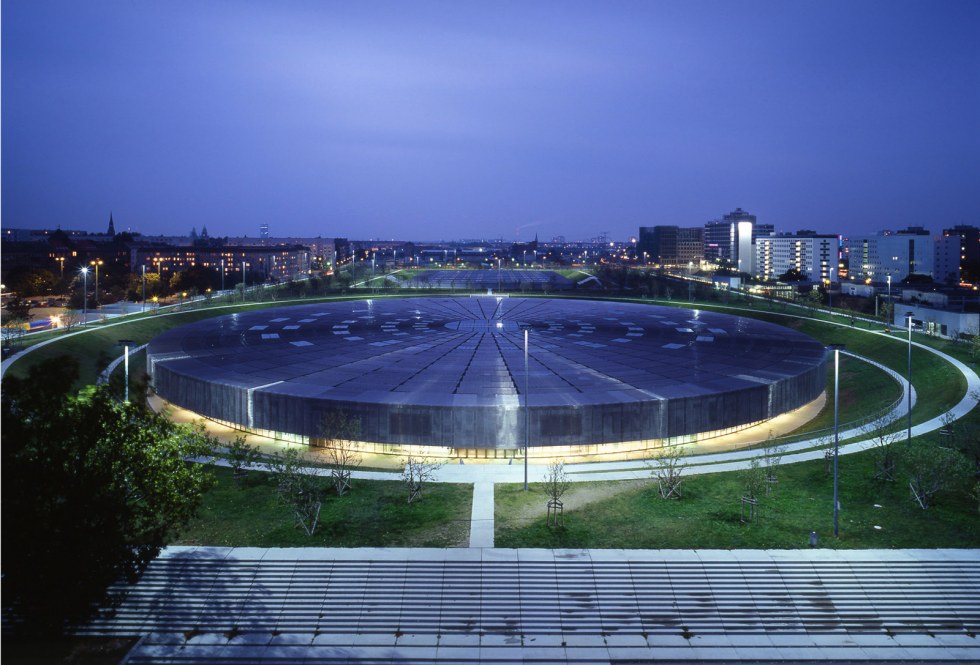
<point x="709" y="514"/>
<point x="864" y="390"/>
<point x="374" y="514"/>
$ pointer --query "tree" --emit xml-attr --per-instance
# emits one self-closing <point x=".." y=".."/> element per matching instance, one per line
<point x="813" y="299"/>
<point x="884" y="449"/>
<point x="416" y="473"/>
<point x="668" y="467"/>
<point x="556" y="484"/>
<point x="974" y="342"/>
<point x="13" y="331"/>
<point x="241" y="455"/>
<point x="340" y="434"/>
<point x="19" y="309"/>
<point x="792" y="275"/>
<point x="772" y="457"/>
<point x="93" y="489"/>
<point x="70" y="318"/>
<point x="931" y="469"/>
<point x="300" y="487"/>
<point x="29" y="281"/>
<point x="753" y="482"/>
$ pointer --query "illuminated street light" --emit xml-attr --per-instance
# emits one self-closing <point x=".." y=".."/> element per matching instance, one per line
<point x="126" y="343"/>
<point x="527" y="405"/>
<point x="96" y="263"/>
<point x="837" y="348"/>
<point x="84" y="295"/>
<point x="909" y="316"/>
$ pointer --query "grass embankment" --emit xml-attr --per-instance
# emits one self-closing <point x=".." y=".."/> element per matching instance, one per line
<point x="938" y="384"/>
<point x="708" y="515"/>
<point x="374" y="514"/>
<point x="864" y="390"/>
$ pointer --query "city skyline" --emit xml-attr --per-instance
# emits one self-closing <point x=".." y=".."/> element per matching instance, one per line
<point x="445" y="121"/>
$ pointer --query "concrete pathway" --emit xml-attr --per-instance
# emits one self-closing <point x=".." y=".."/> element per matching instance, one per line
<point x="481" y="520"/>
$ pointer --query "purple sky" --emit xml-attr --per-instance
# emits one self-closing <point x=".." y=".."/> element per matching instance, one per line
<point x="468" y="119"/>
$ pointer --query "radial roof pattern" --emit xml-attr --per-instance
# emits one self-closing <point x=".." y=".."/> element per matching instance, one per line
<point x="470" y="351"/>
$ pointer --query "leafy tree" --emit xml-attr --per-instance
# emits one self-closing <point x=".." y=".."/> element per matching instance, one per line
<point x="93" y="489"/>
<point x="792" y="275"/>
<point x="28" y="281"/>
<point x="19" y="309"/>
<point x="668" y="467"/>
<point x="241" y="456"/>
<point x="13" y="331"/>
<point x="931" y="469"/>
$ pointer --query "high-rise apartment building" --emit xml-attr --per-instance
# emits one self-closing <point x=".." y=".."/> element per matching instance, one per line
<point x="813" y="256"/>
<point x="732" y="239"/>
<point x="964" y="261"/>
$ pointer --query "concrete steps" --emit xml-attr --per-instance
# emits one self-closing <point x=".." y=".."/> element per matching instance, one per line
<point x="518" y="605"/>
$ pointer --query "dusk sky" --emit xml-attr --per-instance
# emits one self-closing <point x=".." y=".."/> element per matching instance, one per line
<point x="447" y="120"/>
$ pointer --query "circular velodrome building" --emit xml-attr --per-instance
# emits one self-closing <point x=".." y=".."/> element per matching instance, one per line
<point x="449" y="373"/>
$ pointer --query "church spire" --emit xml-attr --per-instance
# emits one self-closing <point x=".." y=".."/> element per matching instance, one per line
<point x="112" y="226"/>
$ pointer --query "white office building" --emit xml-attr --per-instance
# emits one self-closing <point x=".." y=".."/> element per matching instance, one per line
<point x="814" y="256"/>
<point x="899" y="255"/>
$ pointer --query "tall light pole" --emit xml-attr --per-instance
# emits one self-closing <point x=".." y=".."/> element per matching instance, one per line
<point x="126" y="344"/>
<point x="837" y="348"/>
<point x="243" y="281"/>
<point x="909" y="316"/>
<point x="144" y="287"/>
<point x="222" y="274"/>
<point x="527" y="405"/>
<point x="84" y="296"/>
<point x="891" y="315"/>
<point x="96" y="263"/>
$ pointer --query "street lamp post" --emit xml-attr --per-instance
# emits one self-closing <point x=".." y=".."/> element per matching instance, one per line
<point x="837" y="348"/>
<point x="144" y="287"/>
<point x="84" y="296"/>
<point x="126" y="343"/>
<point x="909" y="315"/>
<point x="222" y="275"/>
<point x="527" y="405"/>
<point x="96" y="263"/>
<point x="891" y="316"/>
<point x="243" y="281"/>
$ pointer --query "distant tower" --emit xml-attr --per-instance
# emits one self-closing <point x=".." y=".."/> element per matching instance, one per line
<point x="263" y="231"/>
<point x="112" y="227"/>
<point x="193" y="233"/>
<point x="204" y="232"/>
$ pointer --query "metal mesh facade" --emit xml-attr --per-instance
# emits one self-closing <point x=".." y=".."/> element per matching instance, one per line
<point x="450" y="371"/>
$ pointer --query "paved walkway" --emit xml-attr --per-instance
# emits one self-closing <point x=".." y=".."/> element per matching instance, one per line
<point x="481" y="520"/>
<point x="215" y="605"/>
